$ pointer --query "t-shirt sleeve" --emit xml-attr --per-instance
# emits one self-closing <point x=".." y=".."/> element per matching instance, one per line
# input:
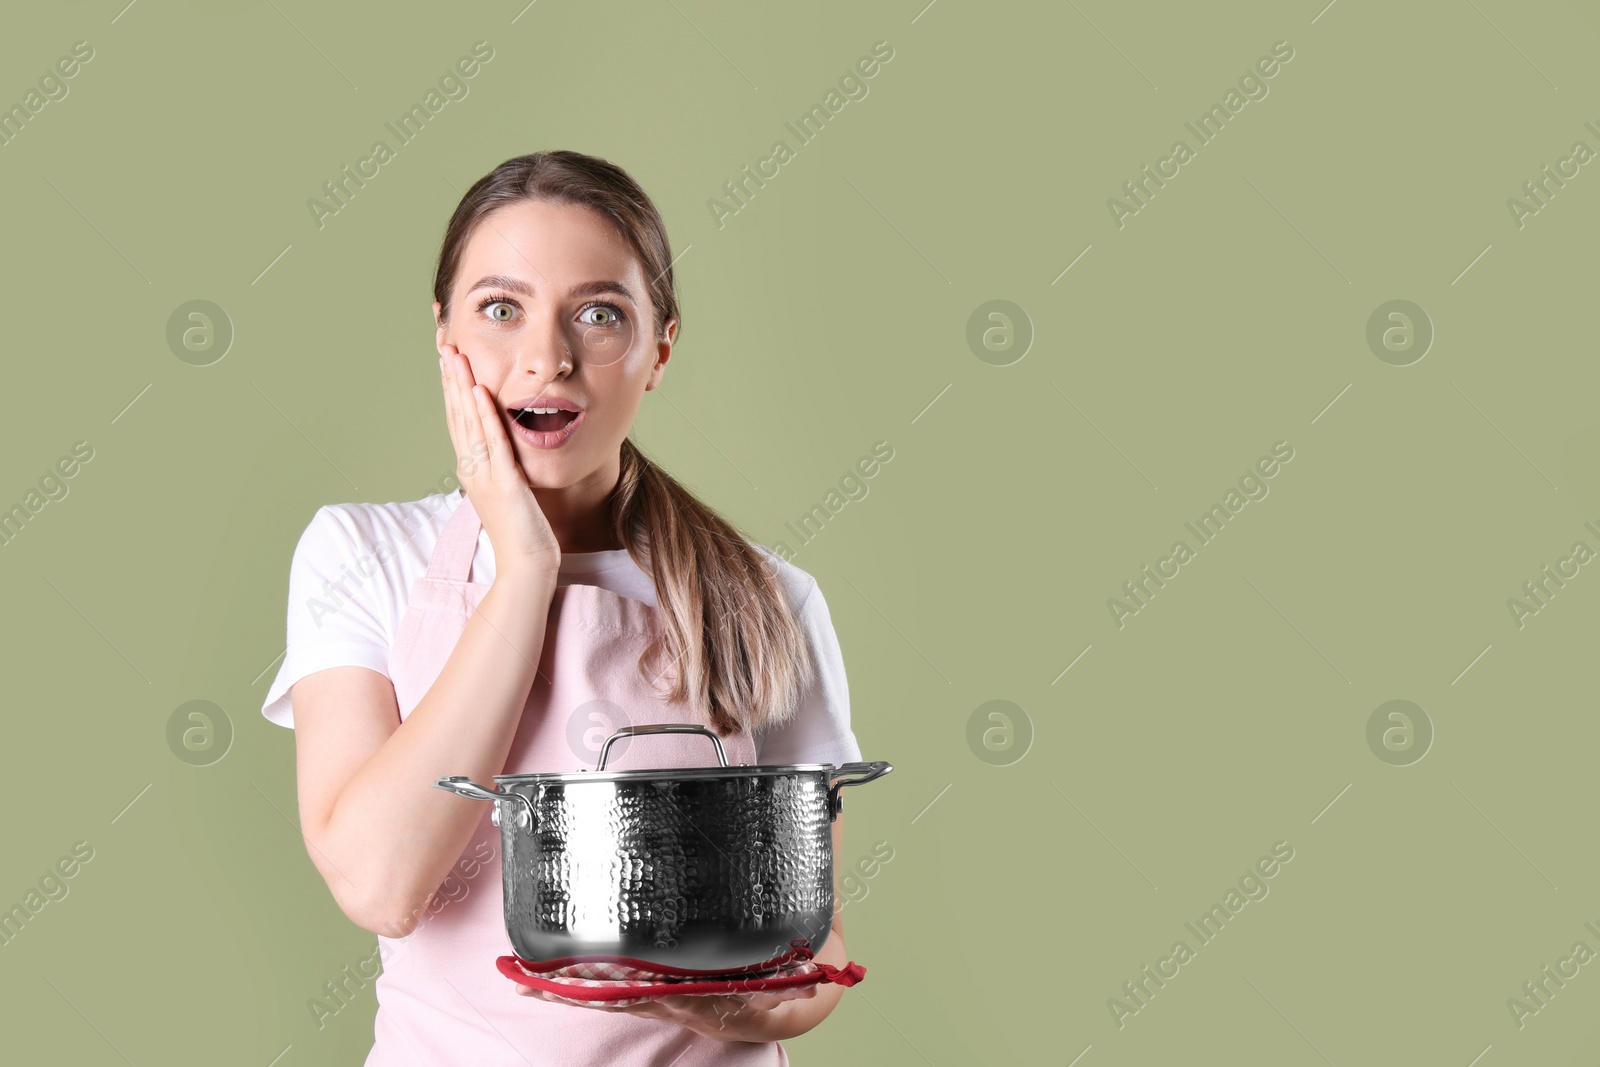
<point x="820" y="730"/>
<point x="332" y="620"/>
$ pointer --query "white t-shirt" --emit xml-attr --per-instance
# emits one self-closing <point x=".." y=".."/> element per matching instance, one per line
<point x="352" y="573"/>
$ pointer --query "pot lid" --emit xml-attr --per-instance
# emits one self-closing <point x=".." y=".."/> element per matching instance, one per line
<point x="648" y="774"/>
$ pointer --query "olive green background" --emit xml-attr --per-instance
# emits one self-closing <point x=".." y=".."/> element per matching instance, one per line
<point x="1040" y="860"/>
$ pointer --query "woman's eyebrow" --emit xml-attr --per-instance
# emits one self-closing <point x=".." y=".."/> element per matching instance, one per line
<point x="517" y="285"/>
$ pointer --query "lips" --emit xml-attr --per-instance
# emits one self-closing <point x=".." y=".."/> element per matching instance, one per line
<point x="544" y="414"/>
<point x="545" y="422"/>
<point x="545" y="400"/>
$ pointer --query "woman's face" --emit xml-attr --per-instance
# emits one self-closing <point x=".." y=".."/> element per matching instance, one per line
<point x="550" y="301"/>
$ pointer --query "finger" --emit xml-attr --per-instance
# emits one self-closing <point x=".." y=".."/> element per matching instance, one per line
<point x="592" y="1005"/>
<point x="493" y="428"/>
<point x="471" y="422"/>
<point x="459" y="409"/>
<point x="491" y="435"/>
<point x="447" y="387"/>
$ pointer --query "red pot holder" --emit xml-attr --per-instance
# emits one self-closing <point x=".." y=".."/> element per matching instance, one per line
<point x="622" y="980"/>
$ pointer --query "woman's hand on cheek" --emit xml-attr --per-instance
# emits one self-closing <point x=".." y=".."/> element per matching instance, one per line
<point x="491" y="475"/>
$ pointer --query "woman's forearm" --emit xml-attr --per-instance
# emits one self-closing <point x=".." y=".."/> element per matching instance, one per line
<point x="390" y="832"/>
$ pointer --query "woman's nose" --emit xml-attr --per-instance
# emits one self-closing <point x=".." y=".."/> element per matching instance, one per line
<point x="546" y="358"/>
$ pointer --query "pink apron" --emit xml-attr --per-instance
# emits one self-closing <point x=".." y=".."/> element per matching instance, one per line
<point x="441" y="1000"/>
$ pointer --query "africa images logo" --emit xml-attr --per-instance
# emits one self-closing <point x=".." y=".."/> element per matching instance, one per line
<point x="1207" y="128"/>
<point x="1252" y="487"/>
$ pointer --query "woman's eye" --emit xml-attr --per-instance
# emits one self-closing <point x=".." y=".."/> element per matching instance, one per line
<point x="609" y="316"/>
<point x="501" y="311"/>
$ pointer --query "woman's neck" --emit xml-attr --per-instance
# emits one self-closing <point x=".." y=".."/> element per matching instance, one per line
<point x="580" y="514"/>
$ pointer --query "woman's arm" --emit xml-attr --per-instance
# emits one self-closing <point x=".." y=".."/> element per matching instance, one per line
<point x="382" y="837"/>
<point x="380" y="834"/>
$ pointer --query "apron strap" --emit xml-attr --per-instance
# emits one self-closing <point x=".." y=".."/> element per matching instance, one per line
<point x="452" y="556"/>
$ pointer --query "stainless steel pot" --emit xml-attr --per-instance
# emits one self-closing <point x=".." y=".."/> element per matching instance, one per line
<point x="706" y="869"/>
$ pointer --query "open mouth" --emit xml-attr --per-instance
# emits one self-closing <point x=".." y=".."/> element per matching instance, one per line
<point x="544" y="420"/>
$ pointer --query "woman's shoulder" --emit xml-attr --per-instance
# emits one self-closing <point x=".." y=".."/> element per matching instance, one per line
<point x="798" y="584"/>
<point x="391" y="527"/>
<point x="395" y="512"/>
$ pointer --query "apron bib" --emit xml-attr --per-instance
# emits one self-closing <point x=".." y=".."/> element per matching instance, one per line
<point x="441" y="999"/>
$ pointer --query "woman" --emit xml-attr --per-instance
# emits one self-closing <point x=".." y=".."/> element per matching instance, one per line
<point x="567" y="587"/>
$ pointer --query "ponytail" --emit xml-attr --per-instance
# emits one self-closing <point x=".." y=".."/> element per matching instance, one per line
<point x="729" y="641"/>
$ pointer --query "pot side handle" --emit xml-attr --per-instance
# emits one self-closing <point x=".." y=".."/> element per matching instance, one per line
<point x="466" y="787"/>
<point x="851" y="774"/>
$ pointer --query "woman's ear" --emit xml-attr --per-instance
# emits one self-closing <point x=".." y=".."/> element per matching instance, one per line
<point x="663" y="353"/>
<point x="441" y="331"/>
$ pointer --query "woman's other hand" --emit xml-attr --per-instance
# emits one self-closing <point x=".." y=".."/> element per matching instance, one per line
<point x="732" y="1017"/>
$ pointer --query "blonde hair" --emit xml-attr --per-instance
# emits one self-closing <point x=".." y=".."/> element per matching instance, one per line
<point x="729" y="641"/>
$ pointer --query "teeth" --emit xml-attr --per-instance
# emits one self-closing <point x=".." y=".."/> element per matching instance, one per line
<point x="542" y="411"/>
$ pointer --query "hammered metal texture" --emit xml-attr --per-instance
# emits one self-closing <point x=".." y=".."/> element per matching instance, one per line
<point x="704" y="874"/>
